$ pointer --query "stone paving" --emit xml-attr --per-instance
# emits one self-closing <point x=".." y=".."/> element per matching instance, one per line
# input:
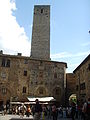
<point x="17" y="117"/>
<point x="13" y="117"/>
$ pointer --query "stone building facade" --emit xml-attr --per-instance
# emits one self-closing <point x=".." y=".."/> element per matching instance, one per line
<point x="82" y="73"/>
<point x="21" y="77"/>
<point x="70" y="86"/>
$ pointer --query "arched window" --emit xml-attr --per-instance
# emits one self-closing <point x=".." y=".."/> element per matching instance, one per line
<point x="40" y="91"/>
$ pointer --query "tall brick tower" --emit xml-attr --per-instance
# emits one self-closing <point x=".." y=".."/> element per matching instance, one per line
<point x="40" y="45"/>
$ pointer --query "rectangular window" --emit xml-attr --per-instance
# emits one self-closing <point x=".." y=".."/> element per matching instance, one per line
<point x="25" y="73"/>
<point x="41" y="62"/>
<point x="3" y="75"/>
<point x="82" y="86"/>
<point x="24" y="89"/>
<point x="4" y="90"/>
<point x="3" y="62"/>
<point x="8" y="63"/>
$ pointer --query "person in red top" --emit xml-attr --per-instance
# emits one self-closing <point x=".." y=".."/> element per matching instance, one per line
<point x="28" y="112"/>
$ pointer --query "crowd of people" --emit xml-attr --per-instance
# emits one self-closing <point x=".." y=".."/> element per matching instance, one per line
<point x="38" y="110"/>
<point x="42" y="111"/>
<point x="79" y="111"/>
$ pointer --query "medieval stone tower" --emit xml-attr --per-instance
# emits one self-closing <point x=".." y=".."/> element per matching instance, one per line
<point x="40" y="46"/>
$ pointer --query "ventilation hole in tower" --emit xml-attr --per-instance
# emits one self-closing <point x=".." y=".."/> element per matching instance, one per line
<point x="41" y="10"/>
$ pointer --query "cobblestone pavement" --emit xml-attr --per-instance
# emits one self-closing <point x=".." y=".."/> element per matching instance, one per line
<point x="8" y="117"/>
<point x="17" y="117"/>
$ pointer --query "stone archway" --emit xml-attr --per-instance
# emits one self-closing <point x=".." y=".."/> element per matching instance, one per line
<point x="72" y="98"/>
<point x="41" y="91"/>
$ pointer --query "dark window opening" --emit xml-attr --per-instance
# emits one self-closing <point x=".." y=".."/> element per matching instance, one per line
<point x="8" y="63"/>
<point x="41" y="10"/>
<point x="76" y="87"/>
<point x="41" y="62"/>
<point x="24" y="89"/>
<point x="82" y="86"/>
<point x="36" y="83"/>
<point x="55" y="75"/>
<point x="25" y="73"/>
<point x="3" y="62"/>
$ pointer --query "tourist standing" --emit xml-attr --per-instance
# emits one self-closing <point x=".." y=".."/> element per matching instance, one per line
<point x="28" y="111"/>
<point x="86" y="110"/>
<point x="73" y="110"/>
<point x="54" y="112"/>
<point x="22" y="110"/>
<point x="38" y="110"/>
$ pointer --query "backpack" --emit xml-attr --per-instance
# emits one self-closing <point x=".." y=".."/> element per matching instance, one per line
<point x="88" y="109"/>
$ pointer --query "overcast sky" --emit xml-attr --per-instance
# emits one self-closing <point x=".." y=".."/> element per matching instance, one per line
<point x="69" y="26"/>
